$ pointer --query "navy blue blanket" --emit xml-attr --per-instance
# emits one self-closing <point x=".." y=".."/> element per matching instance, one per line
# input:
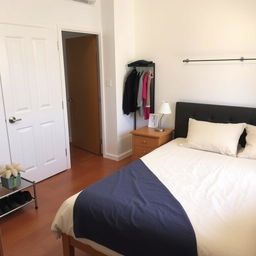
<point x="133" y="213"/>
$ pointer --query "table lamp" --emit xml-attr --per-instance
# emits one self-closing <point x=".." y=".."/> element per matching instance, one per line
<point x="163" y="110"/>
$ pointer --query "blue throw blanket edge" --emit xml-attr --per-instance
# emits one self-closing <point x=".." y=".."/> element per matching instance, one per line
<point x="133" y="213"/>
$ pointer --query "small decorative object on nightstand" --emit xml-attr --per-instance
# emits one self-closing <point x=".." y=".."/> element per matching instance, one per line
<point x="146" y="139"/>
<point x="163" y="110"/>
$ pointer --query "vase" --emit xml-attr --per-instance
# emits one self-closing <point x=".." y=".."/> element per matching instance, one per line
<point x="12" y="182"/>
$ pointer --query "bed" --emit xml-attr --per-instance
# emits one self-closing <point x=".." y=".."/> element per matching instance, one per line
<point x="217" y="192"/>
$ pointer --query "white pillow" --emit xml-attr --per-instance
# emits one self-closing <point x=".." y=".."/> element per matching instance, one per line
<point x="216" y="137"/>
<point x="250" y="148"/>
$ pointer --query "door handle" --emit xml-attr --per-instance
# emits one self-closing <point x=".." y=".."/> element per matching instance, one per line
<point x="13" y="119"/>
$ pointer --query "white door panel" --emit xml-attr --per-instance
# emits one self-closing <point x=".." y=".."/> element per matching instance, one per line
<point x="24" y="150"/>
<point x="32" y="93"/>
<point x="18" y="76"/>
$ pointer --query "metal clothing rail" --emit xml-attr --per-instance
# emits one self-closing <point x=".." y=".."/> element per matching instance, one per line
<point x="240" y="59"/>
<point x="145" y="64"/>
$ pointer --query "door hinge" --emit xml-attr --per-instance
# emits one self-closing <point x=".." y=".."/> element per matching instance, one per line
<point x="58" y="46"/>
<point x="62" y="103"/>
<point x="66" y="151"/>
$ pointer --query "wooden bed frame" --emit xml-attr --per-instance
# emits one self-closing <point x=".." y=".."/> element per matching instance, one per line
<point x="1" y="243"/>
<point x="69" y="244"/>
<point x="184" y="111"/>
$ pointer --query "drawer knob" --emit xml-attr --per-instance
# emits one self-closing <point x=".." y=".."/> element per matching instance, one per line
<point x="144" y="141"/>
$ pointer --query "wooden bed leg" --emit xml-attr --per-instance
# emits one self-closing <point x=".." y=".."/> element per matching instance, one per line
<point x="68" y="249"/>
<point x="1" y="243"/>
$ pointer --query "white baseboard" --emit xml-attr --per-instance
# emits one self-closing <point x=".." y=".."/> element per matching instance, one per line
<point x="118" y="157"/>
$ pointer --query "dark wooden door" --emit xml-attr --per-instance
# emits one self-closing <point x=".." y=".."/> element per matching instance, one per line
<point x="84" y="95"/>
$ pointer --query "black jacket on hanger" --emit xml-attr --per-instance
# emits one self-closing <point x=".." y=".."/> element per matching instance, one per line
<point x="130" y="92"/>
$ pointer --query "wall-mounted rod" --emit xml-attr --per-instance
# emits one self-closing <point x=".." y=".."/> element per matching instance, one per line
<point x="240" y="59"/>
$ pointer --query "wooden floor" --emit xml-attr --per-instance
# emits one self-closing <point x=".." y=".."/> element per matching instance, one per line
<point x="27" y="231"/>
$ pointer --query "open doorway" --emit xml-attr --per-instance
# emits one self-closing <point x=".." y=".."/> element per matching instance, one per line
<point x="81" y="65"/>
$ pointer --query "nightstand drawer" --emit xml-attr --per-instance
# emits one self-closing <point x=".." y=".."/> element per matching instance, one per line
<point x="140" y="151"/>
<point x="145" y="141"/>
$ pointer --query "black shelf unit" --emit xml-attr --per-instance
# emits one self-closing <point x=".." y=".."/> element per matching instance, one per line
<point x="24" y="184"/>
<point x="152" y="65"/>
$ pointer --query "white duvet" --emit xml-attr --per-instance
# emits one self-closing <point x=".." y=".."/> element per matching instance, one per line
<point x="217" y="192"/>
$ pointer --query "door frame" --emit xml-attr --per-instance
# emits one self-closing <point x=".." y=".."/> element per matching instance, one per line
<point x="61" y="28"/>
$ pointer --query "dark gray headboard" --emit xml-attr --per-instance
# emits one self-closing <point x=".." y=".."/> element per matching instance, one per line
<point x="211" y="113"/>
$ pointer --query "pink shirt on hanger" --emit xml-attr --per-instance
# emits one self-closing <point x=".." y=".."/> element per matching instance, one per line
<point x="144" y="96"/>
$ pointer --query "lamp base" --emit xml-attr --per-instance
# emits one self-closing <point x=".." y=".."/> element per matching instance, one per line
<point x="159" y="129"/>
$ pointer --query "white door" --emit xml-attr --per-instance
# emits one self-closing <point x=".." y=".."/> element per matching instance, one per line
<point x="32" y="97"/>
<point x="4" y="146"/>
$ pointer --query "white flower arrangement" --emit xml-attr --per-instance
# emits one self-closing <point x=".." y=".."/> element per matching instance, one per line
<point x="9" y="170"/>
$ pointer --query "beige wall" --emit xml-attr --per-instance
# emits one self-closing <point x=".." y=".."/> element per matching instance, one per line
<point x="109" y="88"/>
<point x="169" y="31"/>
<point x="51" y="13"/>
<point x="118" y="46"/>
<point x="124" y="52"/>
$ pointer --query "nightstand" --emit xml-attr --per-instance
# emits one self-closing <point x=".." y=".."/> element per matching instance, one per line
<point x="146" y="139"/>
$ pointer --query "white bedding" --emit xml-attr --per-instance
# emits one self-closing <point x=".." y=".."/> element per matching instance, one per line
<point x="218" y="193"/>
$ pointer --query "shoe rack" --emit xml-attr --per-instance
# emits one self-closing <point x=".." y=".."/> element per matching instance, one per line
<point x="16" y="198"/>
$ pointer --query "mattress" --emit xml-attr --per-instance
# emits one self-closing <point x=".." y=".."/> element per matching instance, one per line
<point x="218" y="193"/>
